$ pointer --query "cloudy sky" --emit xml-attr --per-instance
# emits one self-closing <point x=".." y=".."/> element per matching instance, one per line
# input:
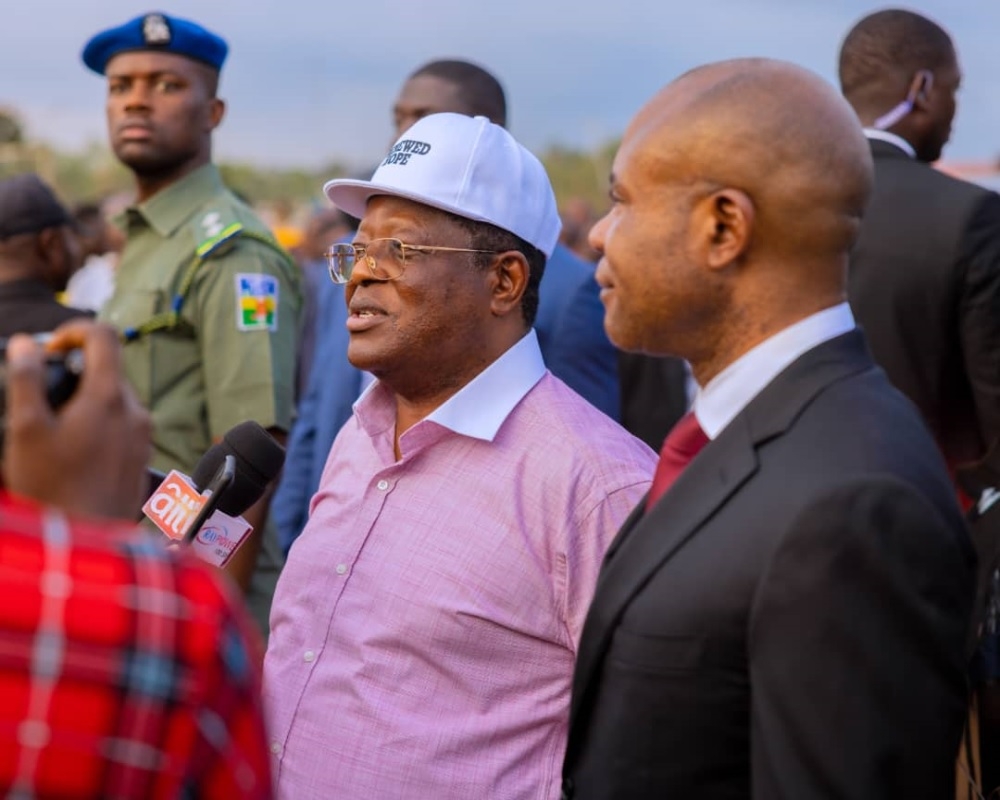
<point x="308" y="81"/>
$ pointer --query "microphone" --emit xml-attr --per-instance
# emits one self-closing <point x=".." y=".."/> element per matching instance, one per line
<point x="213" y="494"/>
<point x="259" y="459"/>
<point x="204" y="510"/>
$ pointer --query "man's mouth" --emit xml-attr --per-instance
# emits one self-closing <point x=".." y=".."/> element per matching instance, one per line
<point x="363" y="318"/>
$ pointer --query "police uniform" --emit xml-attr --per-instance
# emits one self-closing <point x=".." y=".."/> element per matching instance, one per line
<point x="207" y="302"/>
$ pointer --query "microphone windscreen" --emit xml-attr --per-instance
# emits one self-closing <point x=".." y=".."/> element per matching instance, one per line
<point x="259" y="459"/>
<point x="259" y="451"/>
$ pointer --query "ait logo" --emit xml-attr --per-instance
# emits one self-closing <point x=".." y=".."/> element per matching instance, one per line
<point x="155" y="29"/>
<point x="402" y="151"/>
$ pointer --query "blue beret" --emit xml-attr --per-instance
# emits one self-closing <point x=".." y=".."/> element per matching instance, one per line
<point x="156" y="32"/>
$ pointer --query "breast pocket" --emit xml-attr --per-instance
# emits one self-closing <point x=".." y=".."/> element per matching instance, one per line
<point x="663" y="654"/>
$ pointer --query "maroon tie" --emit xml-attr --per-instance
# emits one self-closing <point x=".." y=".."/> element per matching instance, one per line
<point x="682" y="444"/>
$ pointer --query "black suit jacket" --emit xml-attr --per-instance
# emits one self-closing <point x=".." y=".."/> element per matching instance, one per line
<point x="788" y="621"/>
<point x="925" y="287"/>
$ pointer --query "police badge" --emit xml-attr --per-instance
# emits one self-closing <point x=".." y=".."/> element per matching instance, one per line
<point x="155" y="29"/>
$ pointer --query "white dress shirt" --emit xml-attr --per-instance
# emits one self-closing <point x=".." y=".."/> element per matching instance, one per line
<point x="891" y="138"/>
<point x="729" y="392"/>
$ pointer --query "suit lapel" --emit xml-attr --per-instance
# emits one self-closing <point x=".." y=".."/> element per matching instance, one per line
<point x="646" y="541"/>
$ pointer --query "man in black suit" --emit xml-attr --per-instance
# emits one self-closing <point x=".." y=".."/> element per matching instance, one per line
<point x="925" y="275"/>
<point x="787" y="619"/>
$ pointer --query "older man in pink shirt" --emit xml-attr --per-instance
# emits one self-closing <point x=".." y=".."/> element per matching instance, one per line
<point x="424" y="630"/>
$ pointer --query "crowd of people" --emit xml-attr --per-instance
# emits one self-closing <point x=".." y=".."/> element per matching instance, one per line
<point x="693" y="500"/>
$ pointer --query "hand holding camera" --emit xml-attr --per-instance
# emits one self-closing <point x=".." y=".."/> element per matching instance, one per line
<point x="75" y="435"/>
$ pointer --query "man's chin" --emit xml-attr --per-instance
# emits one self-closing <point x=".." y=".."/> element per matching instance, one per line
<point x="361" y="357"/>
<point x="141" y="157"/>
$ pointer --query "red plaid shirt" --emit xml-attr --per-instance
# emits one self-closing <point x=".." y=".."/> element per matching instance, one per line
<point x="126" y="670"/>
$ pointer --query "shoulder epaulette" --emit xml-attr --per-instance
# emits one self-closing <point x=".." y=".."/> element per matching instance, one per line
<point x="170" y="320"/>
<point x="213" y="243"/>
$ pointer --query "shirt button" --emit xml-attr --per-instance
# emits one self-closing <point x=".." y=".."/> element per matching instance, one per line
<point x="276" y="748"/>
<point x="308" y="656"/>
<point x="341" y="569"/>
<point x="383" y="485"/>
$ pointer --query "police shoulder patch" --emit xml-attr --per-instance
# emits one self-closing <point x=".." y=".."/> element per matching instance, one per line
<point x="256" y="302"/>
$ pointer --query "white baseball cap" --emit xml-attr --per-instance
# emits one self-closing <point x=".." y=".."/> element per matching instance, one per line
<point x="469" y="167"/>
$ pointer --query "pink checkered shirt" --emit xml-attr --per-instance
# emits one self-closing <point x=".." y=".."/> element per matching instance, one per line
<point x="425" y="626"/>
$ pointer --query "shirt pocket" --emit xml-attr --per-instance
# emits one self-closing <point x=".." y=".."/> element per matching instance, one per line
<point x="664" y="654"/>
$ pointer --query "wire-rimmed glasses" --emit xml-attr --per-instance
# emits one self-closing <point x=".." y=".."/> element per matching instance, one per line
<point x="385" y="259"/>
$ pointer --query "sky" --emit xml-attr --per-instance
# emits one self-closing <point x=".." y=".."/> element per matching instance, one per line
<point x="309" y="83"/>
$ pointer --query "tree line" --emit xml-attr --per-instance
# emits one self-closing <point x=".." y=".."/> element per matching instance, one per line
<point x="93" y="173"/>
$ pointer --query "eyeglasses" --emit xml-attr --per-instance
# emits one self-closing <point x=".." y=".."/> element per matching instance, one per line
<point x="385" y="259"/>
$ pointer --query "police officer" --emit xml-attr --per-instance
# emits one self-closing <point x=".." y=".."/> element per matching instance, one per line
<point x="208" y="304"/>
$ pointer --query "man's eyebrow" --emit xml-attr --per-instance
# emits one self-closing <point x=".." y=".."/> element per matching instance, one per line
<point x="159" y="73"/>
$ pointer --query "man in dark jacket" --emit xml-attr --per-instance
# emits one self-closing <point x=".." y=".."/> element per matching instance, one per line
<point x="38" y="254"/>
<point x="925" y="275"/>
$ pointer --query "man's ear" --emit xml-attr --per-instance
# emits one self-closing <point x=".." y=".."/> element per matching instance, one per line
<point x="51" y="252"/>
<point x="725" y="221"/>
<point x="920" y="88"/>
<point x="216" y="112"/>
<point x="48" y="242"/>
<point x="508" y="282"/>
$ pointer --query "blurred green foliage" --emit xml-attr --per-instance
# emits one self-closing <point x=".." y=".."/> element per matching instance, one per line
<point x="94" y="173"/>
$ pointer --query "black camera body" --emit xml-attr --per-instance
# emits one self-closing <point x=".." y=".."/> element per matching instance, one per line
<point x="62" y="375"/>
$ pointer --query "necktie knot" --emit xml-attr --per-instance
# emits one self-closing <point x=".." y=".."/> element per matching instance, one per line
<point x="683" y="443"/>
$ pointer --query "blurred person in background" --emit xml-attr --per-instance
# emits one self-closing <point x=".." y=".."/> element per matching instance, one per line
<point x="39" y="251"/>
<point x="325" y="226"/>
<point x="578" y="217"/>
<point x="281" y="218"/>
<point x="925" y="285"/>
<point x="101" y="244"/>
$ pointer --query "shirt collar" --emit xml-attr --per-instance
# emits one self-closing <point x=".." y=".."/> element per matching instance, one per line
<point x="169" y="208"/>
<point x="480" y="407"/>
<point x="891" y="138"/>
<point x="729" y="392"/>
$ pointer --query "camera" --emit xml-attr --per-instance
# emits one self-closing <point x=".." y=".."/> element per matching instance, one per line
<point x="62" y="374"/>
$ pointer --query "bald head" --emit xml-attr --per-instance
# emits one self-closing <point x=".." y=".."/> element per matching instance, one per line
<point x="778" y="133"/>
<point x="739" y="191"/>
